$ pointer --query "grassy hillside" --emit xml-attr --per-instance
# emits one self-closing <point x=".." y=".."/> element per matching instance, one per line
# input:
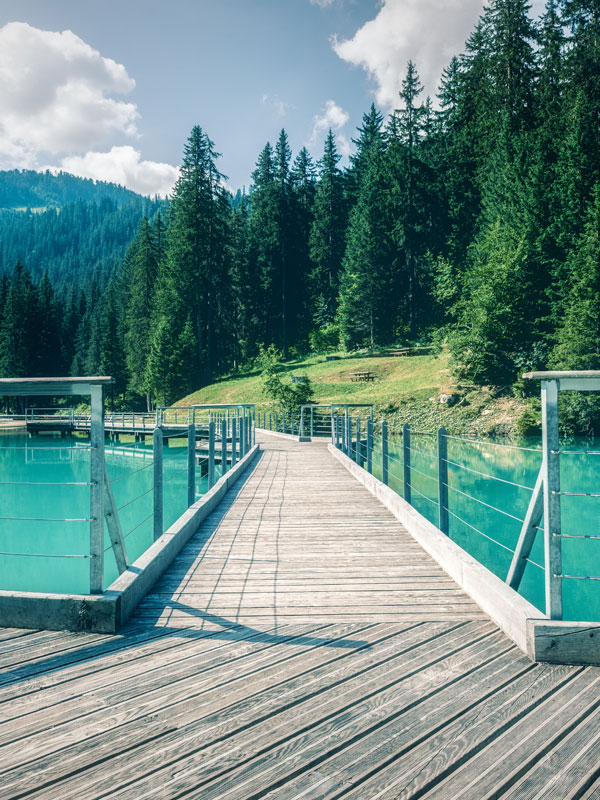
<point x="407" y="389"/>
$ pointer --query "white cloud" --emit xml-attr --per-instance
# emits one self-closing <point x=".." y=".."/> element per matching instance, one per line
<point x="322" y="3"/>
<point x="429" y="32"/>
<point x="124" y="165"/>
<point x="61" y="100"/>
<point x="344" y="145"/>
<point x="333" y="117"/>
<point x="280" y="107"/>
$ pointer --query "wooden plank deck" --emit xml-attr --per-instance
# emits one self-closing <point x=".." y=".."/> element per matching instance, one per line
<point x="301" y="646"/>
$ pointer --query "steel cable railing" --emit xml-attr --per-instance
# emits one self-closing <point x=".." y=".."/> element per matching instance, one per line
<point x="404" y="467"/>
<point x="149" y="497"/>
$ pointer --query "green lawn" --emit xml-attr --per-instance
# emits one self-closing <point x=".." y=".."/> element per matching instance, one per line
<point x="397" y="380"/>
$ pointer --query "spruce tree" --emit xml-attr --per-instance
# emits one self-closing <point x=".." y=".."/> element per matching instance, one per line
<point x="139" y="280"/>
<point x="327" y="234"/>
<point x="367" y="291"/>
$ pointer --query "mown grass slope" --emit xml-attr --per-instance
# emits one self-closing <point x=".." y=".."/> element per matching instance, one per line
<point x="406" y="389"/>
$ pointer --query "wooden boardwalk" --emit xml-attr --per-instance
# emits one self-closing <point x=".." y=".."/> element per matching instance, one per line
<point x="301" y="646"/>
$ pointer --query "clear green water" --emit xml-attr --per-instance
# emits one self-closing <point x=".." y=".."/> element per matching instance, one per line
<point x="497" y="533"/>
<point x="51" y="459"/>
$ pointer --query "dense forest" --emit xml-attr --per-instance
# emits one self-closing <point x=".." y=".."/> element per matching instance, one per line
<point x="473" y="222"/>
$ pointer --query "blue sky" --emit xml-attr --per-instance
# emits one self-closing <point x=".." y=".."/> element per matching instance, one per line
<point x="111" y="89"/>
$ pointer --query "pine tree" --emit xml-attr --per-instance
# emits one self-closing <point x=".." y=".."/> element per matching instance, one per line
<point x="369" y="140"/>
<point x="366" y="306"/>
<point x="18" y="327"/>
<point x="578" y="338"/>
<point x="328" y="233"/>
<point x="139" y="279"/>
<point x="265" y="250"/>
<point x="493" y="326"/>
<point x="194" y="265"/>
<point x="47" y="330"/>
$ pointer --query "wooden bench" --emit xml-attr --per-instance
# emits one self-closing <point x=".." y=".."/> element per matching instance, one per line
<point x="400" y="351"/>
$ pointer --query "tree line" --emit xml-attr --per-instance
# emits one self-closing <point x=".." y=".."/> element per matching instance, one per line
<point x="472" y="221"/>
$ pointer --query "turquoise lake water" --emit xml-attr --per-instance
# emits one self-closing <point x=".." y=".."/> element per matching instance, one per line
<point x="490" y="534"/>
<point x="26" y="464"/>
<point x="485" y="512"/>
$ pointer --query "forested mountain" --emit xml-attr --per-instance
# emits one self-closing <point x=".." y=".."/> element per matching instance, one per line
<point x="23" y="189"/>
<point x="477" y="225"/>
<point x="75" y="244"/>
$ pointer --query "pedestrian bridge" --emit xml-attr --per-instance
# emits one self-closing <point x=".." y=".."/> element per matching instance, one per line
<point x="303" y="644"/>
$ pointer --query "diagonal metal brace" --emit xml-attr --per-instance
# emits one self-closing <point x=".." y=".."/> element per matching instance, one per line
<point x="528" y="532"/>
<point x="111" y="516"/>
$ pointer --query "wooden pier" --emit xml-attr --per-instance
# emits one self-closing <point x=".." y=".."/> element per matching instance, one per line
<point x="302" y="645"/>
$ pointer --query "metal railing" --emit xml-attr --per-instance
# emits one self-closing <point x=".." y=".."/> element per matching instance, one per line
<point x="458" y="491"/>
<point x="311" y="420"/>
<point x="167" y="486"/>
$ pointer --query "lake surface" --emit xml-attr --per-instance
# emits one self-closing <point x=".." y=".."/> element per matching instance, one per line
<point x="487" y="522"/>
<point x="40" y="506"/>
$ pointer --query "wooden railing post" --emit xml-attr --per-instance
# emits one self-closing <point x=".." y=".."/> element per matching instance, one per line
<point x="406" y="460"/>
<point x="191" y="465"/>
<point x="97" y="491"/>
<point x="370" y="446"/>
<point x="384" y="454"/>
<point x="157" y="447"/>
<point x="552" y="513"/>
<point x="211" y="454"/>
<point x="442" y="443"/>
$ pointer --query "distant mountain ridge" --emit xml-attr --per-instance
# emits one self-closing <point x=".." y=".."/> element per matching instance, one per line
<point x="23" y="189"/>
<point x="75" y="229"/>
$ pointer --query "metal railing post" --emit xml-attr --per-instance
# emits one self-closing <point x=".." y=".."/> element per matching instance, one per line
<point x="157" y="447"/>
<point x="283" y="423"/>
<point x="97" y="491"/>
<point x="406" y="460"/>
<point x="223" y="447"/>
<point x="270" y="421"/>
<point x="233" y="442"/>
<point x="211" y="454"/>
<point x="384" y="454"/>
<point x="370" y="446"/>
<point x="358" y="453"/>
<point x="191" y="464"/>
<point x="442" y="444"/>
<point x="348" y="436"/>
<point x="312" y="422"/>
<point x="552" y="514"/>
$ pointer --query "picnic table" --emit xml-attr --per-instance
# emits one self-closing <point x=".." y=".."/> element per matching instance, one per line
<point x="366" y="375"/>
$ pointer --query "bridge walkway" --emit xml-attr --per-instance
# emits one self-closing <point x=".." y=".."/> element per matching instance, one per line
<point x="301" y="646"/>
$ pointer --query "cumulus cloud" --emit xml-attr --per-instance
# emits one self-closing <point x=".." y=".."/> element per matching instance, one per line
<point x="322" y="3"/>
<point x="429" y="32"/>
<point x="124" y="165"/>
<point x="61" y="99"/>
<point x="333" y="117"/>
